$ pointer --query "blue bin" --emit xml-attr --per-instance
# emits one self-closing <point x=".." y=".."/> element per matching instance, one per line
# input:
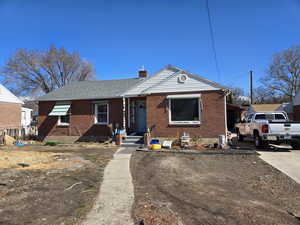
<point x="154" y="141"/>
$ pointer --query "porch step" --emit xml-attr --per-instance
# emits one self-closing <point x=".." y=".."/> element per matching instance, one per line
<point x="133" y="140"/>
<point x="132" y="145"/>
<point x="129" y="137"/>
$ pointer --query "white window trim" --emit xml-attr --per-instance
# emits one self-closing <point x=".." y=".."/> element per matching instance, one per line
<point x="96" y="113"/>
<point x="59" y="123"/>
<point x="194" y="122"/>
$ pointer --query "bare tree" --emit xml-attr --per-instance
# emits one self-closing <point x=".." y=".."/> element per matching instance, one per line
<point x="283" y="77"/>
<point x="263" y="95"/>
<point x="237" y="96"/>
<point x="28" y="71"/>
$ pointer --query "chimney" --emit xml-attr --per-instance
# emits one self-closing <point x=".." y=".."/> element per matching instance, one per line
<point x="142" y="73"/>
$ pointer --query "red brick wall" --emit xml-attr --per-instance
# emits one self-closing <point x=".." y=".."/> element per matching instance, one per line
<point x="10" y="115"/>
<point x="296" y="116"/>
<point x="81" y="119"/>
<point x="212" y="124"/>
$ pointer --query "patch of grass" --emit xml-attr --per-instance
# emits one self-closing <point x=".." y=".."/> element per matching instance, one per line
<point x="51" y="143"/>
<point x="68" y="223"/>
<point x="79" y="212"/>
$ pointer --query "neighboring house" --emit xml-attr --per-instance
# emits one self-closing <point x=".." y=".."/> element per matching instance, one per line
<point x="169" y="103"/>
<point x="10" y="110"/>
<point x="26" y="119"/>
<point x="296" y="107"/>
<point x="286" y="107"/>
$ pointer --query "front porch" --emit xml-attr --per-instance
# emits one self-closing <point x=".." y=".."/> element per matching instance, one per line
<point x="135" y="116"/>
<point x="134" y="121"/>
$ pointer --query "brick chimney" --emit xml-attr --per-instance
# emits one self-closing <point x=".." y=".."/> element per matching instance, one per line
<point x="142" y="73"/>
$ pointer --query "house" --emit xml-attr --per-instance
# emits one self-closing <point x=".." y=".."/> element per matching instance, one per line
<point x="30" y="121"/>
<point x="296" y="106"/>
<point x="10" y="110"/>
<point x="168" y="103"/>
<point x="286" y="107"/>
<point x="26" y="119"/>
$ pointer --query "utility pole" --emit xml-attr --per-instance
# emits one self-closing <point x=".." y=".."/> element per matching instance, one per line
<point x="251" y="86"/>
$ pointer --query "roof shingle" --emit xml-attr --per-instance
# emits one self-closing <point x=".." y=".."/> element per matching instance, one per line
<point x="94" y="89"/>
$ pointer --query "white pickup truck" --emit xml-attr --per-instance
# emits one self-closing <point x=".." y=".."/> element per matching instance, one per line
<point x="269" y="127"/>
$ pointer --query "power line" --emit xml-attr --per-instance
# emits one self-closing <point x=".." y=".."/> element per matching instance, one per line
<point x="213" y="40"/>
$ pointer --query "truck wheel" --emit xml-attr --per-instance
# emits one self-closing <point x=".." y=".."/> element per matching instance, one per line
<point x="258" y="141"/>
<point x="239" y="136"/>
<point x="295" y="145"/>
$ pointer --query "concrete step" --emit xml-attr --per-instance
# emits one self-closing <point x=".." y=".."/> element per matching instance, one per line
<point x="133" y="140"/>
<point x="133" y="137"/>
<point x="131" y="145"/>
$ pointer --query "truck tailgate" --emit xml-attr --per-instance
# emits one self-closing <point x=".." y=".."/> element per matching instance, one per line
<point x="291" y="128"/>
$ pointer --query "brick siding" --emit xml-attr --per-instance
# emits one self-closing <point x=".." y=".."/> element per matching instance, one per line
<point x="10" y="115"/>
<point x="82" y="120"/>
<point x="296" y="116"/>
<point x="212" y="117"/>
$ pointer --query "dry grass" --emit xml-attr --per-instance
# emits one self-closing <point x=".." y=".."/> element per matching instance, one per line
<point x="35" y="160"/>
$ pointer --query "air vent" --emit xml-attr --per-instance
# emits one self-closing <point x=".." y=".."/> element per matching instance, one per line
<point x="182" y="78"/>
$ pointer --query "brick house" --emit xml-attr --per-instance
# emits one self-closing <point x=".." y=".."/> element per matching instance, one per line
<point x="10" y="110"/>
<point x="168" y="103"/>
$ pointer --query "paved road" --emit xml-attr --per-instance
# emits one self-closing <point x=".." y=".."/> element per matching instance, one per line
<point x="113" y="205"/>
<point x="285" y="160"/>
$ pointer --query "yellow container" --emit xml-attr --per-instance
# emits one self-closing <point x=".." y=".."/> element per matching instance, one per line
<point x="155" y="146"/>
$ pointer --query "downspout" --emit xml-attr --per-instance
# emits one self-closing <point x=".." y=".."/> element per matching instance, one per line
<point x="227" y="92"/>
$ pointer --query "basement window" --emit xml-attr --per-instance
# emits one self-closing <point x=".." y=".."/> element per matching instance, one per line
<point x="184" y="111"/>
<point x="101" y="113"/>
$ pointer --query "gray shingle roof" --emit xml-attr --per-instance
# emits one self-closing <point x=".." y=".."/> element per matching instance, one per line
<point x="95" y="89"/>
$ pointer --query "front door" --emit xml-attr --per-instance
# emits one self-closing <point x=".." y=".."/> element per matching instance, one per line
<point x="141" y="126"/>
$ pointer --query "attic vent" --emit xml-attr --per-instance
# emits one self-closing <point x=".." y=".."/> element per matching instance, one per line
<point x="182" y="78"/>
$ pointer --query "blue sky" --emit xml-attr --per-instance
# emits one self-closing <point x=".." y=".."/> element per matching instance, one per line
<point x="119" y="36"/>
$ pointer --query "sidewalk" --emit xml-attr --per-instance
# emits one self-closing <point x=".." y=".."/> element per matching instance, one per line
<point x="113" y="204"/>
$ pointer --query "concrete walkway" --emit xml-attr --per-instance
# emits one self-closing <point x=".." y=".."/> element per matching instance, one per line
<point x="287" y="162"/>
<point x="113" y="205"/>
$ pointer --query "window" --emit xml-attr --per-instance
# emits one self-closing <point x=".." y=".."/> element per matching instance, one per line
<point x="101" y="113"/>
<point x="64" y="120"/>
<point x="279" y="117"/>
<point x="260" y="117"/>
<point x="270" y="116"/>
<point x="184" y="111"/>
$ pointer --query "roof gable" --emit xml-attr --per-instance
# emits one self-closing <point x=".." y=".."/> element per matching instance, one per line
<point x="150" y="81"/>
<point x="167" y="80"/>
<point x="7" y="96"/>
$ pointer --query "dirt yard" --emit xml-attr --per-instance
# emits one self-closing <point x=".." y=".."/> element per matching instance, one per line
<point x="49" y="185"/>
<point x="211" y="190"/>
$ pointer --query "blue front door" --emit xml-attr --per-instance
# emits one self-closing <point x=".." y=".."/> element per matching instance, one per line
<point x="141" y="126"/>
